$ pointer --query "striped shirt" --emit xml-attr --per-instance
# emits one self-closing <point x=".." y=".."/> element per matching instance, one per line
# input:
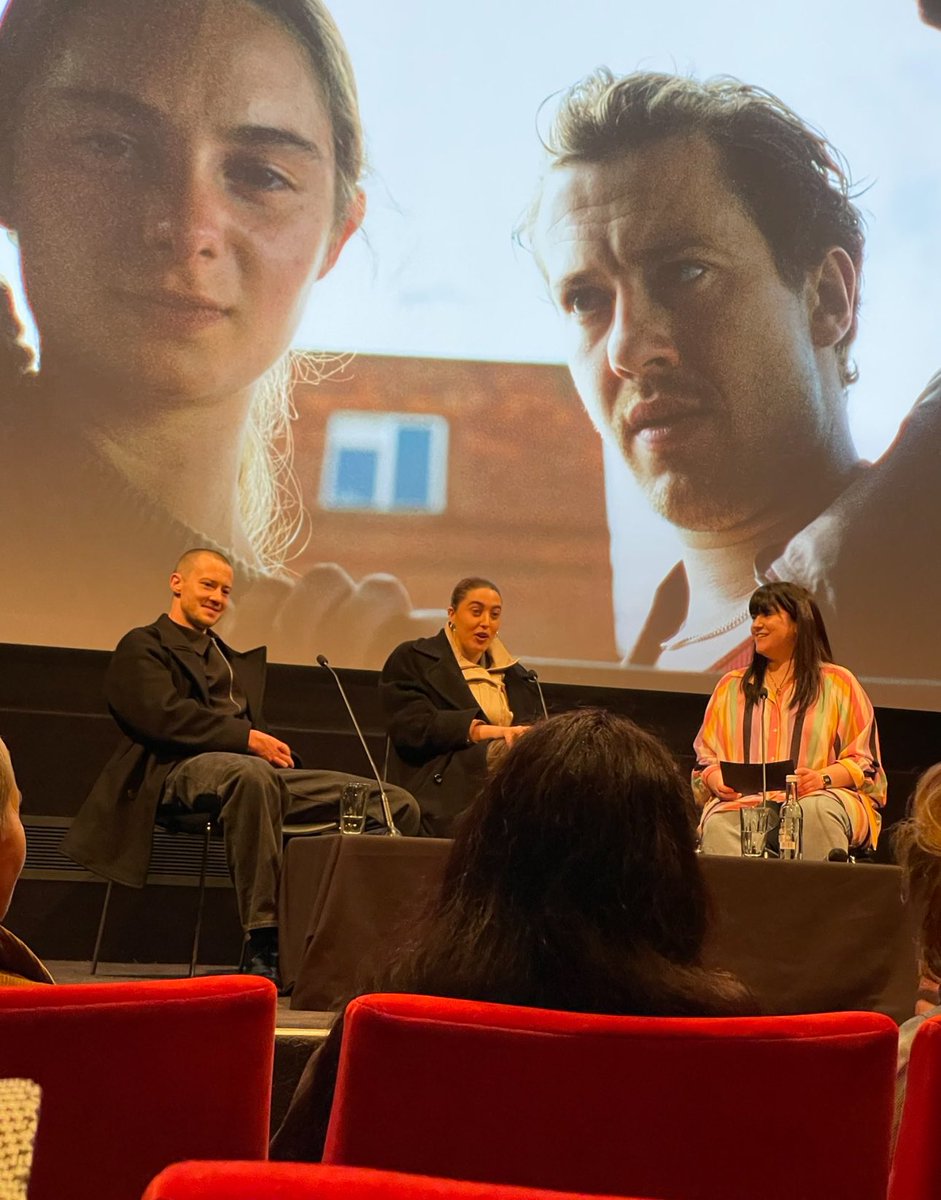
<point x="839" y="727"/>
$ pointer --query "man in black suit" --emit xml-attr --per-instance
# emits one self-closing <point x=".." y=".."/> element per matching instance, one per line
<point x="189" y="708"/>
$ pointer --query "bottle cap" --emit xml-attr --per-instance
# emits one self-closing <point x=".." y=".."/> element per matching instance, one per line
<point x="790" y="779"/>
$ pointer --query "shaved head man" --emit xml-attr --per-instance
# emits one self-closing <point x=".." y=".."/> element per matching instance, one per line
<point x="190" y="711"/>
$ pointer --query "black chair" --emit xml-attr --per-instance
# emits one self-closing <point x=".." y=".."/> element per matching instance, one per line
<point x="200" y="821"/>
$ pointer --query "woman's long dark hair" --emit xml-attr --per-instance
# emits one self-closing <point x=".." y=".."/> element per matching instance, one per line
<point x="574" y="884"/>
<point x="811" y="649"/>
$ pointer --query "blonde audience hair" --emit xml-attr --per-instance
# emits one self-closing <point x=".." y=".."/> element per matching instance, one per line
<point x="917" y="845"/>
<point x="8" y="788"/>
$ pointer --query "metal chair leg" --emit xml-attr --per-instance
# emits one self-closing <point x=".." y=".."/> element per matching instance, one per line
<point x="202" y="895"/>
<point x="101" y="928"/>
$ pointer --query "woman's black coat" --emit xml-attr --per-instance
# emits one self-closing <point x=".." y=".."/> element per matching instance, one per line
<point x="429" y="709"/>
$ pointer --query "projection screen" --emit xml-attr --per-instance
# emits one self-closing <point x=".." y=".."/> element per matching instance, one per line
<point x="434" y="430"/>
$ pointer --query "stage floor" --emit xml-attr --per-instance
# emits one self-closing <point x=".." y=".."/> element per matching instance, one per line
<point x="298" y="1023"/>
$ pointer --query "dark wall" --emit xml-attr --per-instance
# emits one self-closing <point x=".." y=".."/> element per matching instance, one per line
<point x="55" y="721"/>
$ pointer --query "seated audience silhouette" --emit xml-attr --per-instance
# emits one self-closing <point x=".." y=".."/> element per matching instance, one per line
<point x="917" y="845"/>
<point x="18" y="964"/>
<point x="573" y="884"/>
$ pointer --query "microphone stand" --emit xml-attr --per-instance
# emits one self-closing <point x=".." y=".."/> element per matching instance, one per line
<point x="763" y="697"/>
<point x="386" y="807"/>
<point x="534" y="678"/>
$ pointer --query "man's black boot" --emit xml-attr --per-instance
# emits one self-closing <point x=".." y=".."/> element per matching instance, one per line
<point x="260" y="955"/>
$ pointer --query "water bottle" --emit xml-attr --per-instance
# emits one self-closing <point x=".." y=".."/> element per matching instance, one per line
<point x="790" y="829"/>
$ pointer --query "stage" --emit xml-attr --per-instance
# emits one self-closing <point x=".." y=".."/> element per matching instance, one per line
<point x="804" y="937"/>
<point x="53" y="716"/>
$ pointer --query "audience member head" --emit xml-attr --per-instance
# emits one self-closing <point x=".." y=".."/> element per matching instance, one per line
<point x="573" y="882"/>
<point x="796" y="612"/>
<point x="917" y="846"/>
<point x="12" y="837"/>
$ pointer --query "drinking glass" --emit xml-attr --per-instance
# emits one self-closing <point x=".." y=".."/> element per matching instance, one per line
<point x="353" y="807"/>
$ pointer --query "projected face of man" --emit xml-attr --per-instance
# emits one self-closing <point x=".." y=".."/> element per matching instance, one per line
<point x="715" y="379"/>
<point x="173" y="194"/>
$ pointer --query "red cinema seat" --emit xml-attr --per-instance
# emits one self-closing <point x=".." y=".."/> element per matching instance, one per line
<point x="301" y="1181"/>
<point x="136" y="1076"/>
<point x="674" y="1108"/>
<point x="916" y="1168"/>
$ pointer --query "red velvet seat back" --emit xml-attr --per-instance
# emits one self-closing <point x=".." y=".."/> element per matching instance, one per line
<point x="916" y="1169"/>
<point x="300" y="1181"/>
<point x="135" y="1076"/>
<point x="691" y="1109"/>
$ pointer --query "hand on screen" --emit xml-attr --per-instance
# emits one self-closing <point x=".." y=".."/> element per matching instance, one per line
<point x="269" y="748"/>
<point x="353" y="624"/>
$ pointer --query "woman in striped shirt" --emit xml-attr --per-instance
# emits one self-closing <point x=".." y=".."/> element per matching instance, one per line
<point x="814" y="713"/>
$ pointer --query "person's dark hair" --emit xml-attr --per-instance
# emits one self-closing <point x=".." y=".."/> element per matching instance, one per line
<point x="811" y="649"/>
<point x="916" y="844"/>
<point x="574" y="884"/>
<point x="791" y="181"/>
<point x="930" y="12"/>
<point x="471" y="584"/>
<point x="30" y="28"/>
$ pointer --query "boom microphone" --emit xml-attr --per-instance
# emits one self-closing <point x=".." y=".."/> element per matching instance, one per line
<point x="386" y="808"/>
<point x="534" y="678"/>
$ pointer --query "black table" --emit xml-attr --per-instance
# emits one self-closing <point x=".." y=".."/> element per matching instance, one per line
<point x="805" y="937"/>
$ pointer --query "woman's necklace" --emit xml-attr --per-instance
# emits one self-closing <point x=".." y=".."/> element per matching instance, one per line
<point x="783" y="677"/>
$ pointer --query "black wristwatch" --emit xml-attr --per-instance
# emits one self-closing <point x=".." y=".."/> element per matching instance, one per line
<point x="827" y="781"/>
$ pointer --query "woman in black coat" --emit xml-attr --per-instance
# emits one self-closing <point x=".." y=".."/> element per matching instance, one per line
<point x="451" y="701"/>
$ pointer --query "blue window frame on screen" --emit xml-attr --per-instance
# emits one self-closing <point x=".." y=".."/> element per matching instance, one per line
<point x="385" y="462"/>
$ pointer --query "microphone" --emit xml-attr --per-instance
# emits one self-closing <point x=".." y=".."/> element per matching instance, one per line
<point x="534" y="678"/>
<point x="386" y="808"/>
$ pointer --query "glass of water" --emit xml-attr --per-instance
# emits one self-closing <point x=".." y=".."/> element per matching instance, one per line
<point x="353" y="807"/>
<point x="755" y="823"/>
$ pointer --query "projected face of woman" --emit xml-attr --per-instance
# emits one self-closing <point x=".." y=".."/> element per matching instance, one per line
<point x="173" y="193"/>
